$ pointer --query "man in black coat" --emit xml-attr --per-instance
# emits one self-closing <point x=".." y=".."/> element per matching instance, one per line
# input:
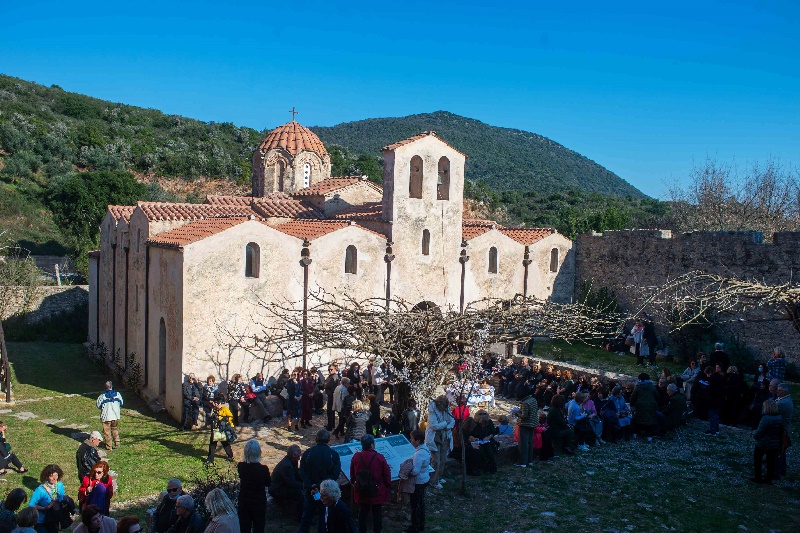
<point x="188" y="520"/>
<point x="165" y="514"/>
<point x="192" y="393"/>
<point x="87" y="455"/>
<point x="287" y="485"/>
<point x="317" y="464"/>
<point x="719" y="357"/>
<point x="331" y="382"/>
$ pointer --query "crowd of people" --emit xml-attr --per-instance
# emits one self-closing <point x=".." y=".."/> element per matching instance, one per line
<point x="582" y="410"/>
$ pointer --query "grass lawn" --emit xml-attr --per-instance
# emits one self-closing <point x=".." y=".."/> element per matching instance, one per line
<point x="694" y="483"/>
<point x="152" y="449"/>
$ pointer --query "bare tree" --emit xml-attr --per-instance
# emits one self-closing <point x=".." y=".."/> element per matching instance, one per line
<point x="720" y="197"/>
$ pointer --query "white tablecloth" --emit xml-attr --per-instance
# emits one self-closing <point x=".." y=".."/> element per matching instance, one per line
<point x="480" y="395"/>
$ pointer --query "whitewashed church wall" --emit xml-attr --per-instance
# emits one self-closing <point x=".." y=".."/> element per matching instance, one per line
<point x="544" y="284"/>
<point x="221" y="305"/>
<point x="165" y="353"/>
<point x="479" y="283"/>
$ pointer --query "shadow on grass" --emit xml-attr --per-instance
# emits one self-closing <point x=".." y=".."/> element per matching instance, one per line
<point x="44" y="365"/>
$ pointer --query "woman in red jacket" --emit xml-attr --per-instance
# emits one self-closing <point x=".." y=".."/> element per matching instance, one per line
<point x="372" y="482"/>
<point x="97" y="488"/>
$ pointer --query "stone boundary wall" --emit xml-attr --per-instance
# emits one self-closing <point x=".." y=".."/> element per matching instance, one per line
<point x="47" y="301"/>
<point x="624" y="260"/>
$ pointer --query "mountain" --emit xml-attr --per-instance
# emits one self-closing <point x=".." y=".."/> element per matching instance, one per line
<point x="505" y="159"/>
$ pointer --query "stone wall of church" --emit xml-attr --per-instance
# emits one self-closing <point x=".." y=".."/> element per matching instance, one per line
<point x="626" y="260"/>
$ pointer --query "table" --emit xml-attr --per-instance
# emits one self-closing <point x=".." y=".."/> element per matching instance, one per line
<point x="482" y="396"/>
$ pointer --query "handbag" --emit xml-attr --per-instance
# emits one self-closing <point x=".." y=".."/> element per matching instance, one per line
<point x="285" y="393"/>
<point x="629" y="340"/>
<point x="219" y="436"/>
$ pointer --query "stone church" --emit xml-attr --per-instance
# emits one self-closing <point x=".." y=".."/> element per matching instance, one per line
<point x="175" y="284"/>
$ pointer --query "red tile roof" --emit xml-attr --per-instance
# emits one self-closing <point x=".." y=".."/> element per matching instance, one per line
<point x="527" y="236"/>
<point x="185" y="211"/>
<point x="274" y="206"/>
<point x="365" y="211"/>
<point x="422" y="135"/>
<point x="330" y="185"/>
<point x="121" y="212"/>
<point x="193" y="232"/>
<point x="221" y="199"/>
<point x="293" y="138"/>
<point x="312" y="229"/>
<point x="470" y="232"/>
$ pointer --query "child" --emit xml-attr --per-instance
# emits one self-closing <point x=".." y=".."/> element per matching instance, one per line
<point x="504" y="428"/>
<point x="541" y="440"/>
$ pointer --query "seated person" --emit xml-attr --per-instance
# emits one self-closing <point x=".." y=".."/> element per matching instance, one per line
<point x="484" y="431"/>
<point x="558" y="428"/>
<point x="471" y="455"/>
<point x="671" y="415"/>
<point x="504" y="428"/>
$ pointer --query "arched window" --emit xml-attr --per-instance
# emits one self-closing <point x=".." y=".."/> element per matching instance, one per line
<point x="280" y="168"/>
<point x="252" y="265"/>
<point x="306" y="175"/>
<point x="492" y="260"/>
<point x="554" y="260"/>
<point x="443" y="182"/>
<point x="415" y="180"/>
<point x="426" y="242"/>
<point x="351" y="260"/>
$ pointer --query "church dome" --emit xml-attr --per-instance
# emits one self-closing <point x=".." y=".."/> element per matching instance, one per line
<point x="293" y="138"/>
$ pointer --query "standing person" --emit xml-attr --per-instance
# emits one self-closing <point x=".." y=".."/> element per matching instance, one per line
<point x="716" y="398"/>
<point x="339" y="393"/>
<point x="330" y="385"/>
<point x="93" y="521"/>
<point x="735" y="389"/>
<point x="786" y="410"/>
<point x="8" y="509"/>
<point x="209" y="393"/>
<point x="221" y="512"/>
<point x="6" y="456"/>
<point x="689" y="378"/>
<point x="355" y="379"/>
<point x="439" y="437"/>
<point x="192" y="392"/>
<point x="319" y="463"/>
<point x="97" y="488"/>
<point x="644" y="403"/>
<point x="347" y="409"/>
<point x="109" y="404"/>
<point x="372" y="484"/>
<point x="237" y="390"/>
<point x="337" y="516"/>
<point x="528" y="420"/>
<point x="357" y="422"/>
<point x="636" y="333"/>
<point x="410" y="418"/>
<point x="48" y="495"/>
<point x="294" y="394"/>
<point x="166" y="515"/>
<point x="719" y="357"/>
<point x="254" y="481"/>
<point x="768" y="438"/>
<point x="286" y="485"/>
<point x="221" y="431"/>
<point x="421" y="475"/>
<point x="378" y="378"/>
<point x="777" y="365"/>
<point x="649" y="338"/>
<point x="308" y="387"/>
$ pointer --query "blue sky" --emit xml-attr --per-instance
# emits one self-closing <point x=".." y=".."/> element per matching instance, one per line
<point x="647" y="91"/>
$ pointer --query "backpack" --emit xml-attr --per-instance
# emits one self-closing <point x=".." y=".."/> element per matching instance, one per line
<point x="365" y="483"/>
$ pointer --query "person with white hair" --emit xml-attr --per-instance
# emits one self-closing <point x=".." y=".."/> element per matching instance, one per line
<point x="337" y="516"/>
<point x="110" y="403"/>
<point x="254" y="480"/>
<point x="438" y="436"/>
<point x="165" y="514"/>
<point x="223" y="515"/>
<point x="188" y="521"/>
<point x="192" y="392"/>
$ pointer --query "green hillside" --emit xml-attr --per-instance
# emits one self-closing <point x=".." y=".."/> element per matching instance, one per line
<point x="65" y="156"/>
<point x="505" y="159"/>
